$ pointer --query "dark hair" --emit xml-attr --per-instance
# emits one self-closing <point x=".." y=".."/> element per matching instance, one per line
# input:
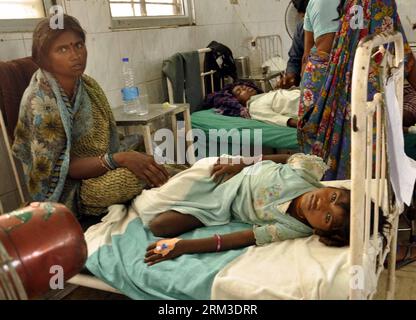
<point x="230" y="87"/>
<point x="340" y="9"/>
<point x="44" y="36"/>
<point x="340" y="236"/>
<point x="300" y="5"/>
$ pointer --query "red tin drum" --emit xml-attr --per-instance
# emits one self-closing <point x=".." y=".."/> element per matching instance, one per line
<point x="41" y="246"/>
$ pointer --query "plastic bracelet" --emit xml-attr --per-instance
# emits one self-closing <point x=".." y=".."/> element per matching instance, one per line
<point x="103" y="163"/>
<point x="218" y="237"/>
<point x="112" y="161"/>
<point x="165" y="246"/>
<point x="108" y="162"/>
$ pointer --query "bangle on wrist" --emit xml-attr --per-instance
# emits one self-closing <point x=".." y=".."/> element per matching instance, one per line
<point x="219" y="242"/>
<point x="107" y="161"/>
<point x="110" y="159"/>
<point x="103" y="163"/>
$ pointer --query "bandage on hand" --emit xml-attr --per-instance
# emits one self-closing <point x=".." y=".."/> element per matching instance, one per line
<point x="165" y="246"/>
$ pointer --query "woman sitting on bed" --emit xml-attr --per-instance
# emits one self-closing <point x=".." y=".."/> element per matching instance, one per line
<point x="244" y="99"/>
<point x="280" y="196"/>
<point x="66" y="135"/>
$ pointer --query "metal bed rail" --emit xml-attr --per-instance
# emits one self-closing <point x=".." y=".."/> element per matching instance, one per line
<point x="270" y="46"/>
<point x="209" y="73"/>
<point x="369" y="164"/>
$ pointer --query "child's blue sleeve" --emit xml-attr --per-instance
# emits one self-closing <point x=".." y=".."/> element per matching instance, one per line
<point x="277" y="232"/>
<point x="310" y="167"/>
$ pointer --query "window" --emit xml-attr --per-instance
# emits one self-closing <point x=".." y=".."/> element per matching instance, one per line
<point x="22" y="15"/>
<point x="150" y="13"/>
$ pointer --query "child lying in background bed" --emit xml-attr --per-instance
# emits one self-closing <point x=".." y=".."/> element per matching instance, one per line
<point x="280" y="196"/>
<point x="244" y="99"/>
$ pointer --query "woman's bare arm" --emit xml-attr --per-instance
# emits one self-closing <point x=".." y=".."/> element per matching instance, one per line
<point x="309" y="43"/>
<point x="142" y="165"/>
<point x="86" y="168"/>
<point x="278" y="158"/>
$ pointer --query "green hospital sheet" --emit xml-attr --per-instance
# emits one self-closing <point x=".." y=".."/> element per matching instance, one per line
<point x="410" y="145"/>
<point x="188" y="277"/>
<point x="273" y="136"/>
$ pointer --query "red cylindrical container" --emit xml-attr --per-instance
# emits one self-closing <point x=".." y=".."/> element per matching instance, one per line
<point x="44" y="242"/>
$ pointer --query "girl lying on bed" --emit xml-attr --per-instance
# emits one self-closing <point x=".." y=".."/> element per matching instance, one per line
<point x="244" y="99"/>
<point x="280" y="196"/>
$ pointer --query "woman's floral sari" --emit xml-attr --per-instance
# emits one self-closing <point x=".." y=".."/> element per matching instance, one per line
<point x="325" y="103"/>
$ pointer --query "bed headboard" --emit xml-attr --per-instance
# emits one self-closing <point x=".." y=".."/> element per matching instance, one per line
<point x="270" y="46"/>
<point x="369" y="165"/>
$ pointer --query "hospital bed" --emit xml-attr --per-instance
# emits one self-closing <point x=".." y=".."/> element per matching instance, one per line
<point x="292" y="269"/>
<point x="274" y="138"/>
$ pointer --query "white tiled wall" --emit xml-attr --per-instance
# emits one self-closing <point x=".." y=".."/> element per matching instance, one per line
<point x="215" y="20"/>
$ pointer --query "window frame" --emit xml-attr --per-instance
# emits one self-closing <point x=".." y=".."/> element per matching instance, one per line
<point x="26" y="25"/>
<point x="137" y="22"/>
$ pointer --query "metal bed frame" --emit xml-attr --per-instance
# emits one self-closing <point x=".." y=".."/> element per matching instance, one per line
<point x="270" y="46"/>
<point x="362" y="132"/>
<point x="362" y="154"/>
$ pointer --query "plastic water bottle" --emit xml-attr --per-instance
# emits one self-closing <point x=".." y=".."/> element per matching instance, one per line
<point x="130" y="91"/>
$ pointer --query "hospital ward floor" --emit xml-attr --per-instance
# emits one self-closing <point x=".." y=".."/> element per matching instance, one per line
<point x="405" y="276"/>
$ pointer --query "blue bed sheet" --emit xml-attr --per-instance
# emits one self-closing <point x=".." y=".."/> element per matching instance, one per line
<point x="272" y="136"/>
<point x="185" y="278"/>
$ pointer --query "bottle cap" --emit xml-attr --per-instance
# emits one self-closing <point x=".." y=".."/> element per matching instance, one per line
<point x="125" y="59"/>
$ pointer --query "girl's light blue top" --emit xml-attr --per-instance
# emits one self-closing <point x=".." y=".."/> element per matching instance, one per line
<point x="254" y="196"/>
